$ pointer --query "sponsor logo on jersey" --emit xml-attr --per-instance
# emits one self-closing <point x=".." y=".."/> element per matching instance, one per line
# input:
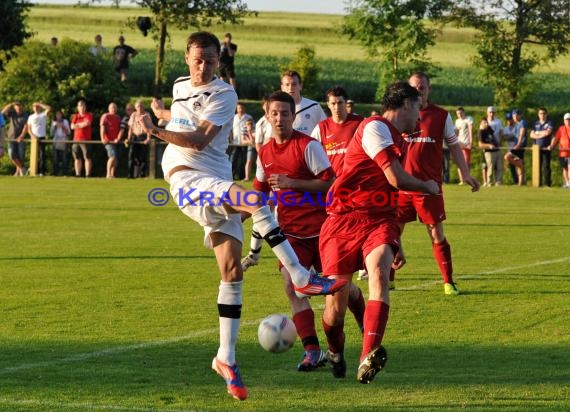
<point x="196" y="106"/>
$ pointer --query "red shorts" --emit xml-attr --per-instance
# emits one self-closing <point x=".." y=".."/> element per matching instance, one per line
<point x="347" y="239"/>
<point x="428" y="208"/>
<point x="307" y="250"/>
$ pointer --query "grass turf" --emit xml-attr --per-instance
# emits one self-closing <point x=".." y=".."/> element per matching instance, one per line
<point x="108" y="303"/>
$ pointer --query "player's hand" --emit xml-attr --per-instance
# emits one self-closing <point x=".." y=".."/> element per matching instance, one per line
<point x="399" y="260"/>
<point x="471" y="181"/>
<point x="145" y="122"/>
<point x="431" y="187"/>
<point x="278" y="182"/>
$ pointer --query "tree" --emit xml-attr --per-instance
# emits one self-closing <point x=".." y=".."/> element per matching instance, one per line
<point x="13" y="29"/>
<point x="396" y="31"/>
<point x="305" y="64"/>
<point x="509" y="33"/>
<point x="60" y="76"/>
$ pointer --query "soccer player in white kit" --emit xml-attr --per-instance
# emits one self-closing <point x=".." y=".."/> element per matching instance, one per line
<point x="198" y="170"/>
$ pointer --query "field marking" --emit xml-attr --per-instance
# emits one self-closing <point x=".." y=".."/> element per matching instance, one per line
<point x="121" y="349"/>
<point x="488" y="272"/>
<point x="83" y="405"/>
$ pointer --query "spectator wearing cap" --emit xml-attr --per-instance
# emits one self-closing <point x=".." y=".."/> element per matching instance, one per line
<point x="515" y="156"/>
<point x="541" y="134"/>
<point x="562" y="137"/>
<point x="350" y="107"/>
<point x="17" y="120"/>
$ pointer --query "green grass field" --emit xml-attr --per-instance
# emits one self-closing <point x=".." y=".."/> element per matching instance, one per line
<point x="109" y="303"/>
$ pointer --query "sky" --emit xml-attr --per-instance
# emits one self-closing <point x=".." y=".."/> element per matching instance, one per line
<point x="303" y="6"/>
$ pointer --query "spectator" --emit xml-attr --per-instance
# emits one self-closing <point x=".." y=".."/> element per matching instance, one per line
<point x="54" y="41"/>
<point x="227" y="56"/>
<point x="263" y="131"/>
<point x="110" y="128"/>
<point x="542" y="134"/>
<point x="350" y="107"/>
<point x="138" y="144"/>
<point x="81" y="124"/>
<point x="18" y="121"/>
<point x="2" y="125"/>
<point x="238" y="153"/>
<point x="121" y="55"/>
<point x="37" y="129"/>
<point x="464" y="132"/>
<point x="493" y="164"/>
<point x="510" y="136"/>
<point x="60" y="132"/>
<point x="562" y="137"/>
<point x="98" y="49"/>
<point x="249" y="139"/>
<point x="515" y="156"/>
<point x="308" y="113"/>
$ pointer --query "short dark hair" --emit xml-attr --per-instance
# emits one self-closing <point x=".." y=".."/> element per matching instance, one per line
<point x="292" y="73"/>
<point x="280" y="96"/>
<point x="543" y="109"/>
<point x="203" y="39"/>
<point x="420" y="74"/>
<point x="337" y="91"/>
<point x="396" y="93"/>
<point x="460" y="109"/>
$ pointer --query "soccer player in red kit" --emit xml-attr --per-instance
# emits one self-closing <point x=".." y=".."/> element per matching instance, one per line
<point x="424" y="160"/>
<point x="335" y="133"/>
<point x="361" y="225"/>
<point x="295" y="167"/>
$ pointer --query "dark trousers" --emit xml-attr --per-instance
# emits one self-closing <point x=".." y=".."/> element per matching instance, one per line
<point x="138" y="157"/>
<point x="238" y="157"/>
<point x="545" y="172"/>
<point x="42" y="155"/>
<point x="60" y="156"/>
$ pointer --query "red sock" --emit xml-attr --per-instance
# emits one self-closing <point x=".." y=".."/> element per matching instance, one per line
<point x="357" y="307"/>
<point x="305" y="323"/>
<point x="335" y="337"/>
<point x="392" y="274"/>
<point x="442" y="255"/>
<point x="375" y="320"/>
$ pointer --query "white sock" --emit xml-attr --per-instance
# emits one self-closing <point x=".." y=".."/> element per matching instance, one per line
<point x="268" y="228"/>
<point x="229" y="310"/>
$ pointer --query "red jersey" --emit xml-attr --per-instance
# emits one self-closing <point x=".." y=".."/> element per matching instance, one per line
<point x="563" y="136"/>
<point x="424" y="159"/>
<point x="301" y="214"/>
<point x="85" y="132"/>
<point x="112" y="124"/>
<point x="335" y="137"/>
<point x="363" y="186"/>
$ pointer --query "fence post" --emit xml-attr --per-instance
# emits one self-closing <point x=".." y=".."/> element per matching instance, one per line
<point x="152" y="159"/>
<point x="34" y="156"/>
<point x="535" y="165"/>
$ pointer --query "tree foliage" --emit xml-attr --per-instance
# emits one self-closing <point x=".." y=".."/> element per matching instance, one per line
<point x="60" y="76"/>
<point x="13" y="29"/>
<point x="305" y="64"/>
<point x="515" y="38"/>
<point x="396" y="32"/>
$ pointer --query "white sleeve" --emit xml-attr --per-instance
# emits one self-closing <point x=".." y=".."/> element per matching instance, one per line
<point x="316" y="158"/>
<point x="259" y="172"/>
<point x="321" y="114"/>
<point x="259" y="131"/>
<point x="316" y="133"/>
<point x="449" y="132"/>
<point x="375" y="138"/>
<point x="220" y="108"/>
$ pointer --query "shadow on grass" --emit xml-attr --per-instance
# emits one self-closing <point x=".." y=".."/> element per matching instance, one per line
<point x="178" y="375"/>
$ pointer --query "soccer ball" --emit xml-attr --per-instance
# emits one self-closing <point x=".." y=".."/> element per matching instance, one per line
<point x="277" y="333"/>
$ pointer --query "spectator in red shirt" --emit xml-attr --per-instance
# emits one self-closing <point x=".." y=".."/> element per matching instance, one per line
<point x="110" y="126"/>
<point x="81" y="125"/>
<point x="562" y="137"/>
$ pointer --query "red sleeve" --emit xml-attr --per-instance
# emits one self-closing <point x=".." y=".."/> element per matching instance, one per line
<point x="261" y="186"/>
<point x="386" y="157"/>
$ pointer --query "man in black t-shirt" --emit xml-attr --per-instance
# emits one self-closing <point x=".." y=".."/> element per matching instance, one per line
<point x="227" y="53"/>
<point x="121" y="55"/>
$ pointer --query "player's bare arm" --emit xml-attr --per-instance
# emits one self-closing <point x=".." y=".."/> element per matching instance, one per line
<point x="197" y="139"/>
<point x="301" y="185"/>
<point x="459" y="160"/>
<point x="400" y="179"/>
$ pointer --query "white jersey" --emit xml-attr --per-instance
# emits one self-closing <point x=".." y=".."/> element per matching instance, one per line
<point x="214" y="102"/>
<point x="462" y="127"/>
<point x="38" y="124"/>
<point x="308" y="114"/>
<point x="263" y="131"/>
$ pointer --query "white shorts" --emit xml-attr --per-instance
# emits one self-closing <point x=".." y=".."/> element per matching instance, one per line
<point x="198" y="195"/>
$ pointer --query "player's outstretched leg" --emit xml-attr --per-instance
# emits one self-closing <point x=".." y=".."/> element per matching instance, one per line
<point x="252" y="257"/>
<point x="306" y="284"/>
